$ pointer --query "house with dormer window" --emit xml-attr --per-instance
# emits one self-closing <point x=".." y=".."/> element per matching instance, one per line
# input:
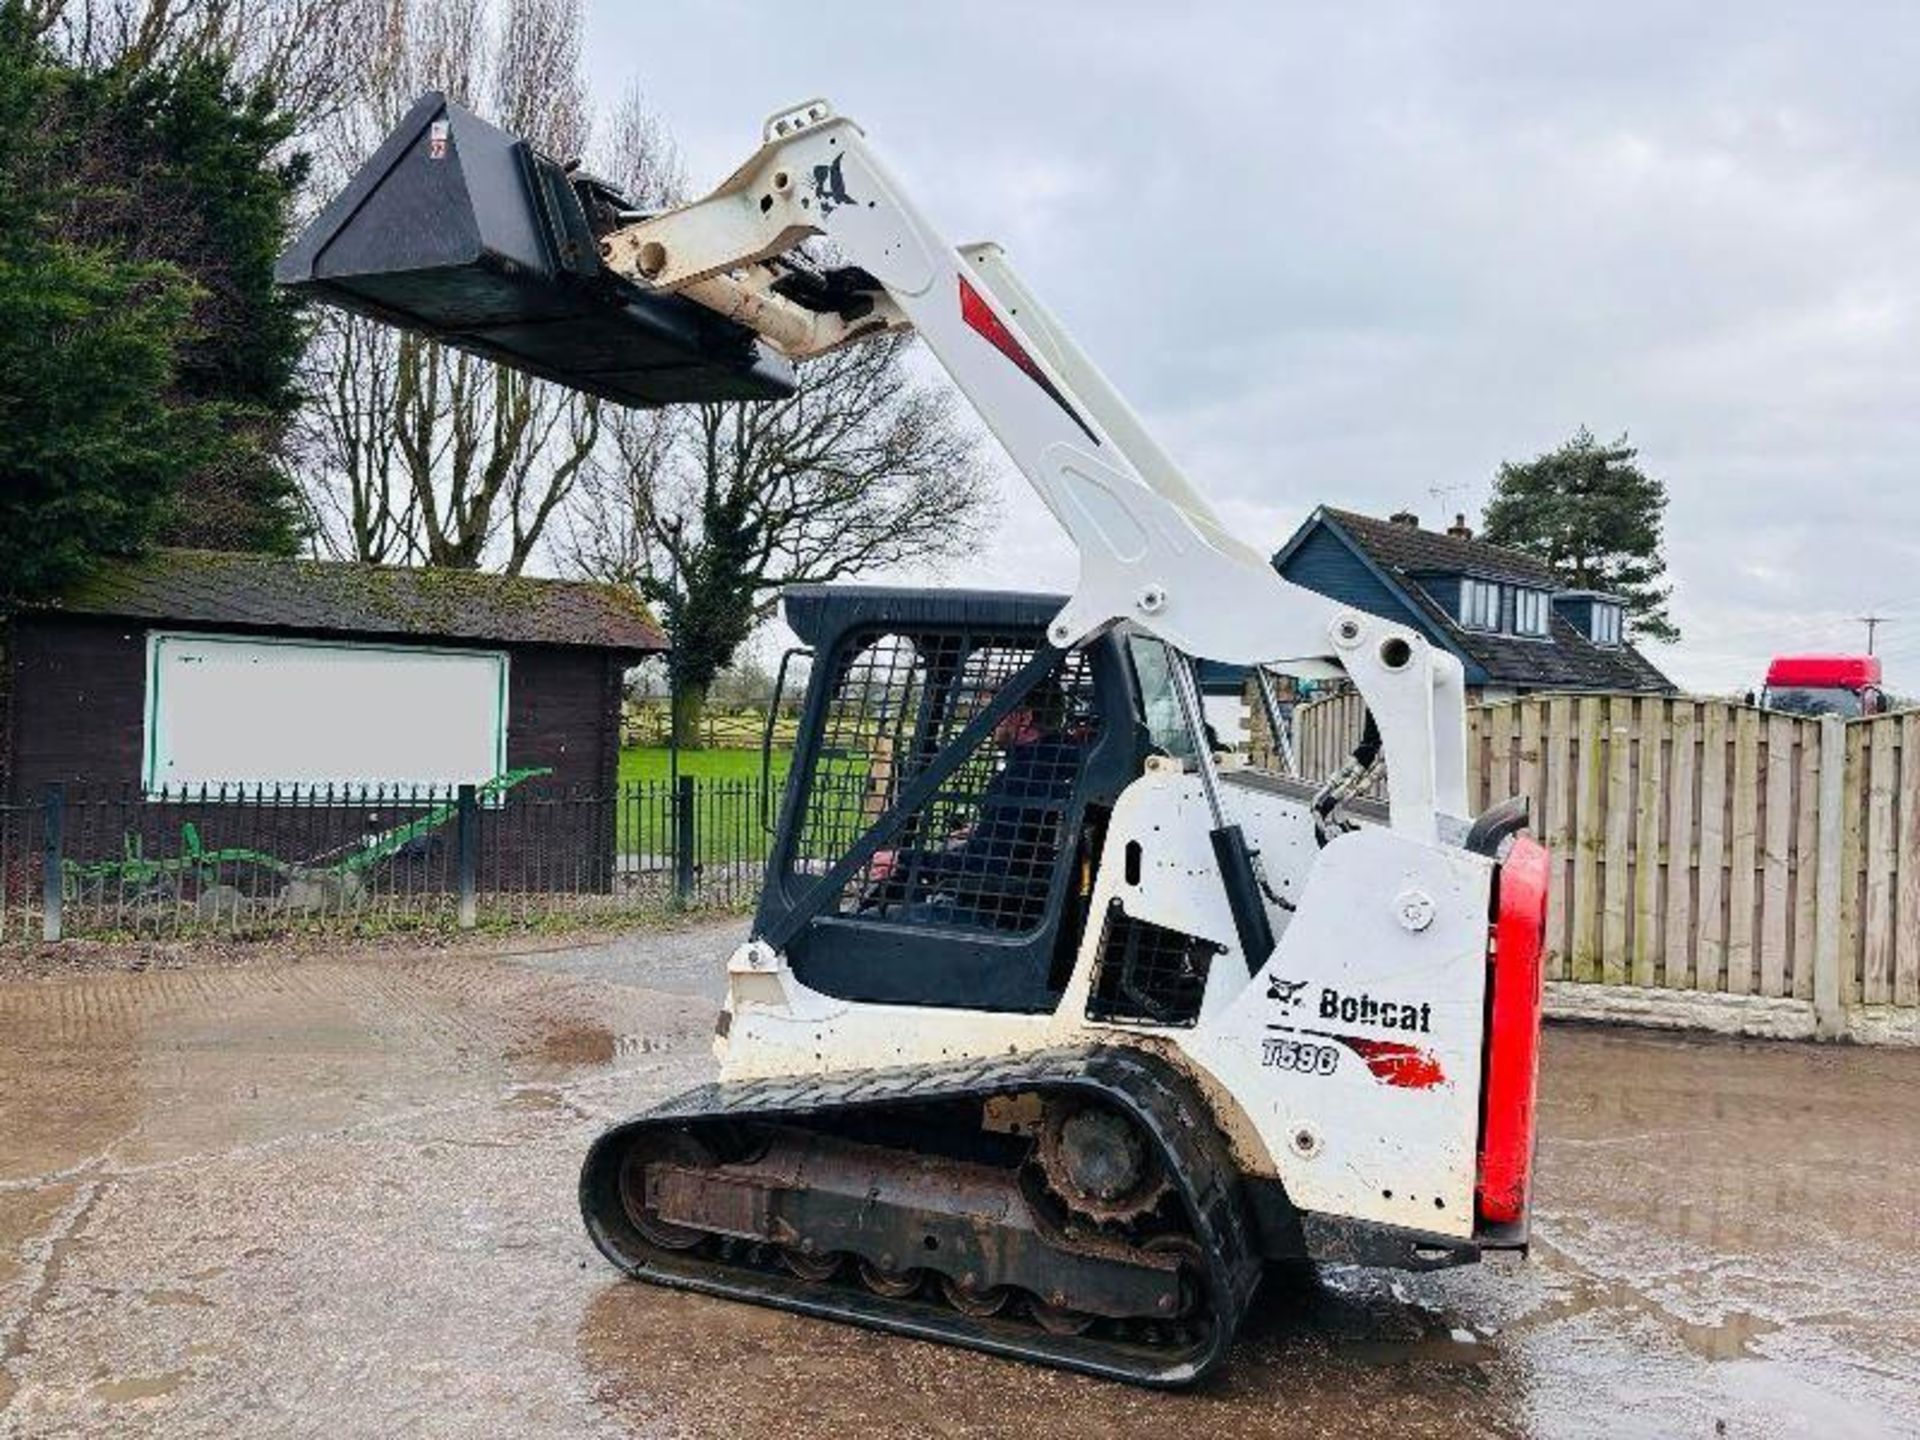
<point x="1514" y="628"/>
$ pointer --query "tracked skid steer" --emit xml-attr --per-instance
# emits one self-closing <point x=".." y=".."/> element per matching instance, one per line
<point x="1057" y="1026"/>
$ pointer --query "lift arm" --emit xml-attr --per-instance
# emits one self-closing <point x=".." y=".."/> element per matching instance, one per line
<point x="1151" y="548"/>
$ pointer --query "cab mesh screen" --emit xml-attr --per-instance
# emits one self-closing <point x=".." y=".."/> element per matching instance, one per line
<point x="982" y="852"/>
<point x="1146" y="973"/>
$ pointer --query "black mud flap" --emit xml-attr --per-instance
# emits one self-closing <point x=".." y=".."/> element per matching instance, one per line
<point x="1162" y="1101"/>
<point x="458" y="231"/>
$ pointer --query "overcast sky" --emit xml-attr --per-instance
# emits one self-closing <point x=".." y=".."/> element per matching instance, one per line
<point x="1360" y="254"/>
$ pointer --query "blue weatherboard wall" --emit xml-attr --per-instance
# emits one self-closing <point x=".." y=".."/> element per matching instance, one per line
<point x="1327" y="564"/>
<point x="1445" y="590"/>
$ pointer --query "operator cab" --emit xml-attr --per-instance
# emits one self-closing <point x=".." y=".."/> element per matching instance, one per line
<point x="1843" y="685"/>
<point x="987" y="826"/>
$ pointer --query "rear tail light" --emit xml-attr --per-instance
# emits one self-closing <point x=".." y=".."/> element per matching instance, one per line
<point x="1513" y="1033"/>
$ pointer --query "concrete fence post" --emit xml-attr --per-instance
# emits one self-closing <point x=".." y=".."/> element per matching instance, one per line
<point x="53" y="843"/>
<point x="1829" y="986"/>
<point x="466" y="857"/>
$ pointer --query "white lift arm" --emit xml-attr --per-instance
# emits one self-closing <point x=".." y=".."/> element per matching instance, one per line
<point x="1151" y="548"/>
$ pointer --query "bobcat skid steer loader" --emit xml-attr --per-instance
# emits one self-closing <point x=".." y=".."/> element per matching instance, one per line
<point x="1055" y="1026"/>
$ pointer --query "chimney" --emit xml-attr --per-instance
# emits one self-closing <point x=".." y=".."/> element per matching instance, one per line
<point x="1406" y="518"/>
<point x="1460" y="530"/>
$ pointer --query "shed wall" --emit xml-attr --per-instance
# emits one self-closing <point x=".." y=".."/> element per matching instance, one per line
<point x="78" y="692"/>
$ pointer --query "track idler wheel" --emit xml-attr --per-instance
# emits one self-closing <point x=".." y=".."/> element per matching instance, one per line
<point x="673" y="1147"/>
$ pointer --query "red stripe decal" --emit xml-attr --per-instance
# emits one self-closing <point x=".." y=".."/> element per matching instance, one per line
<point x="1397" y="1062"/>
<point x="980" y="318"/>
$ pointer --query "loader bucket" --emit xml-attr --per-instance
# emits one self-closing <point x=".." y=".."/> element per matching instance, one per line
<point x="458" y="231"/>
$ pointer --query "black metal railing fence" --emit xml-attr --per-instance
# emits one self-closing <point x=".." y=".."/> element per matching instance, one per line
<point x="107" y="862"/>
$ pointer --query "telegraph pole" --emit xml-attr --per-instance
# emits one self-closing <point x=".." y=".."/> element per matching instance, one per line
<point x="1872" y="622"/>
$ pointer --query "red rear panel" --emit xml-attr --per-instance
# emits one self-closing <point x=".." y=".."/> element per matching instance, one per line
<point x="1513" y="1033"/>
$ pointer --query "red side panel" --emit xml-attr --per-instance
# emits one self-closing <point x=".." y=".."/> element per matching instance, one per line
<point x="1513" y="1036"/>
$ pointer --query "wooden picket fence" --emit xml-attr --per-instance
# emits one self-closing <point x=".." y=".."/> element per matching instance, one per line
<point x="1700" y="844"/>
<point x="1324" y="734"/>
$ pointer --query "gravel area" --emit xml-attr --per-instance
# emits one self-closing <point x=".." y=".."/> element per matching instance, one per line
<point x="333" y="1195"/>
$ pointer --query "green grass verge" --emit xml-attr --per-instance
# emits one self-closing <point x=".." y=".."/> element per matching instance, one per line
<point x="727" y="818"/>
<point x="651" y="763"/>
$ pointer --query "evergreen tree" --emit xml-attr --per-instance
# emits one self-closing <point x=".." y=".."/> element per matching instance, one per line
<point x="179" y="163"/>
<point x="1588" y="510"/>
<point x="146" y="360"/>
<point x="91" y="445"/>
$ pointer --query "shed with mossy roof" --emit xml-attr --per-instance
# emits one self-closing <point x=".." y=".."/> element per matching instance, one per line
<point x="258" y="676"/>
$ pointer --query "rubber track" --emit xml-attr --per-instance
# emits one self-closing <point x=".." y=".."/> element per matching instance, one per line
<point x="1158" y="1096"/>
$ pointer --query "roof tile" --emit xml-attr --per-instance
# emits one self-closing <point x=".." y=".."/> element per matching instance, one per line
<point x="208" y="587"/>
<point x="1570" y="662"/>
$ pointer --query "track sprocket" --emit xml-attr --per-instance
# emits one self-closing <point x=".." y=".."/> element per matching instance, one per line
<point x="1098" y="1164"/>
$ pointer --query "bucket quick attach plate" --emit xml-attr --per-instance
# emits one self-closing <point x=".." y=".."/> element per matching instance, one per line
<point x="458" y="231"/>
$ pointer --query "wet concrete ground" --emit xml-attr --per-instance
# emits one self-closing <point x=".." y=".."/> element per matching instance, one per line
<point x="337" y="1199"/>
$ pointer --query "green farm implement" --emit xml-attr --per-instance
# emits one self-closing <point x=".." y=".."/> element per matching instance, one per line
<point x="330" y="879"/>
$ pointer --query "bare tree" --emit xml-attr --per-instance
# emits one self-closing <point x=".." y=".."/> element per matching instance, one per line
<point x="865" y="468"/>
<point x="608" y="529"/>
<point x="312" y="55"/>
<point x="484" y="455"/>
<point x="489" y="452"/>
<point x="538" y="91"/>
<point x="637" y="152"/>
<point x="366" y="509"/>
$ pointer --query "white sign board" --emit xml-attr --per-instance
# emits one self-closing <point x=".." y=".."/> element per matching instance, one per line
<point x="303" y="716"/>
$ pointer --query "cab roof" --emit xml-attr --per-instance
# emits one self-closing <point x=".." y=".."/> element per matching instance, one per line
<point x="1845" y="672"/>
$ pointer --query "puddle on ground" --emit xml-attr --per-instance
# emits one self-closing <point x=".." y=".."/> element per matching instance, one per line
<point x="1731" y="1337"/>
<point x="50" y="1128"/>
<point x="1758" y="1149"/>
<point x="139" y="1387"/>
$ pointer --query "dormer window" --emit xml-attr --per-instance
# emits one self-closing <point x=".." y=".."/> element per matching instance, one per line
<point x="1529" y="612"/>
<point x="1479" y="604"/>
<point x="1606" y="624"/>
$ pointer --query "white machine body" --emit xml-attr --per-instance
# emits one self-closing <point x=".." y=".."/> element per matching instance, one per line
<point x="1349" y="1066"/>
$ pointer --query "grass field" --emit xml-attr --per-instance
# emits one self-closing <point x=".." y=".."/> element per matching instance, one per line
<point x="650" y="763"/>
<point x="727" y="821"/>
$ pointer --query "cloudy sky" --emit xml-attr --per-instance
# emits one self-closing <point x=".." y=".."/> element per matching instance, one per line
<point x="1361" y="254"/>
